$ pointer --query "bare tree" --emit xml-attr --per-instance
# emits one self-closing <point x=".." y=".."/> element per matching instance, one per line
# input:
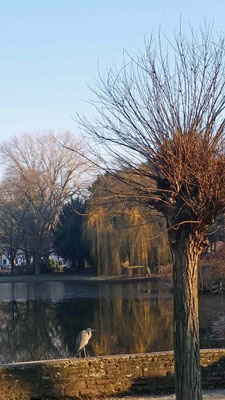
<point x="162" y="117"/>
<point x="9" y="235"/>
<point x="41" y="174"/>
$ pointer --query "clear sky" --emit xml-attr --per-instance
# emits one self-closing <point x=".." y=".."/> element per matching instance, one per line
<point x="50" y="50"/>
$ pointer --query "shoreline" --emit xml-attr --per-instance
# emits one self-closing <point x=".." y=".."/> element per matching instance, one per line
<point x="79" y="278"/>
<point x="60" y="277"/>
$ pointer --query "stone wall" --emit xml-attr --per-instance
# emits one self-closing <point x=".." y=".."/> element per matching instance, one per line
<point x="99" y="376"/>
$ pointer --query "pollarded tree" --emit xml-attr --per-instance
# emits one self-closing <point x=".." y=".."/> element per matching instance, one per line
<point x="165" y="110"/>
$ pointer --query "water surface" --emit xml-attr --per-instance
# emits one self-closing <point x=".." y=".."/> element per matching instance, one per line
<point x="40" y="320"/>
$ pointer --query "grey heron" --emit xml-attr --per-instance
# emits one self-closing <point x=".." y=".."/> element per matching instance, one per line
<point x="82" y="340"/>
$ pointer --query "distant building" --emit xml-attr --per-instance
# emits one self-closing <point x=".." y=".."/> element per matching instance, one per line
<point x="20" y="260"/>
<point x="4" y="262"/>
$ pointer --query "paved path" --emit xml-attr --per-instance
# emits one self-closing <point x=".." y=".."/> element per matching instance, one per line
<point x="207" y="395"/>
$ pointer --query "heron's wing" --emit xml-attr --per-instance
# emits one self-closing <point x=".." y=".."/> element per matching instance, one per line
<point x="80" y="340"/>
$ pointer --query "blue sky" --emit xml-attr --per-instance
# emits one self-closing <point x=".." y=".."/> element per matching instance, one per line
<point x="50" y="50"/>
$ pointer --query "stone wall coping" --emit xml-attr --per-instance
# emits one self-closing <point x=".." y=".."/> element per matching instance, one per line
<point x="97" y="377"/>
<point x="109" y="357"/>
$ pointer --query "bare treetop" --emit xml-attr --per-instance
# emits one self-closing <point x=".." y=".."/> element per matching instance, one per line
<point x="41" y="174"/>
<point x="43" y="160"/>
<point x="165" y="109"/>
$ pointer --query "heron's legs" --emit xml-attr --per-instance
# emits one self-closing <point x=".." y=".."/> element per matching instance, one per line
<point x="85" y="355"/>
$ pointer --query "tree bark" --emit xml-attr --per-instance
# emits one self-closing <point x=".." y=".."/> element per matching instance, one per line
<point x="37" y="260"/>
<point x="12" y="260"/>
<point x="27" y="257"/>
<point x="185" y="252"/>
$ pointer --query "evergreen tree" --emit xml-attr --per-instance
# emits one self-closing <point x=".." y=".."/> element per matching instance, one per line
<point x="67" y="240"/>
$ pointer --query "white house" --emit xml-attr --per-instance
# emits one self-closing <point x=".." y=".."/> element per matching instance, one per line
<point x="20" y="260"/>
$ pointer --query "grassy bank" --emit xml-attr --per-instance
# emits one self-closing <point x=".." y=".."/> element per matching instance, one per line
<point x="211" y="274"/>
<point x="78" y="278"/>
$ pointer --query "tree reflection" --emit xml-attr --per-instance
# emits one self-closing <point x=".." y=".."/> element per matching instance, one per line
<point x="132" y="325"/>
<point x="29" y="332"/>
<point x="126" y="322"/>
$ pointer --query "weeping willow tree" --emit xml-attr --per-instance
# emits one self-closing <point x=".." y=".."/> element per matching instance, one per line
<point x="123" y="236"/>
<point x="98" y="230"/>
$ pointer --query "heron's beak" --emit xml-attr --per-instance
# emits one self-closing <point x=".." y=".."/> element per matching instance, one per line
<point x="93" y="330"/>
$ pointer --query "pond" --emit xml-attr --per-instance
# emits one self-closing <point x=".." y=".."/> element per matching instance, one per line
<point x="40" y="320"/>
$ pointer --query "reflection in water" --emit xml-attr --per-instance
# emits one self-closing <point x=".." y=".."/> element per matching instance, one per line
<point x="23" y="291"/>
<point x="41" y="320"/>
<point x="212" y="317"/>
<point x="28" y="331"/>
<point x="131" y="324"/>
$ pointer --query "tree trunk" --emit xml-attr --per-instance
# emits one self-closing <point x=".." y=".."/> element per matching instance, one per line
<point x="37" y="260"/>
<point x="27" y="257"/>
<point x="12" y="260"/>
<point x="46" y="258"/>
<point x="185" y="252"/>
